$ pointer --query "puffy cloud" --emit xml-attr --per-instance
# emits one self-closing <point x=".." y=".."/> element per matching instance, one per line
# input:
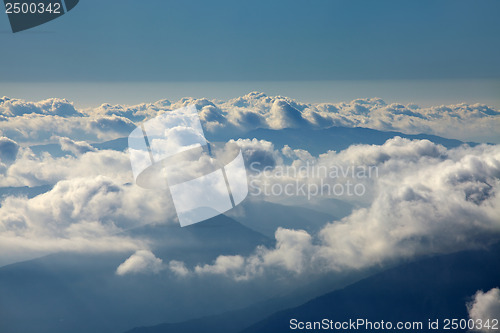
<point x="293" y="252"/>
<point x="178" y="268"/>
<point x="39" y="129"/>
<point x="283" y="115"/>
<point x="27" y="121"/>
<point x="257" y="110"/>
<point x="212" y="117"/>
<point x="75" y="147"/>
<point x="301" y="154"/>
<point x="426" y="200"/>
<point x="82" y="200"/>
<point x="135" y="113"/>
<point x="81" y="214"/>
<point x="104" y="126"/>
<point x="185" y="101"/>
<point x="11" y="107"/>
<point x="222" y="265"/>
<point x="35" y="128"/>
<point x="142" y="261"/>
<point x="476" y="122"/>
<point x="32" y="170"/>
<point x="431" y="201"/>
<point x="423" y="199"/>
<point x="39" y="121"/>
<point x="423" y="211"/>
<point x="485" y="306"/>
<point x="260" y="153"/>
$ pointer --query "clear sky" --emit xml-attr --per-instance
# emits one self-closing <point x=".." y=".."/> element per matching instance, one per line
<point x="271" y="40"/>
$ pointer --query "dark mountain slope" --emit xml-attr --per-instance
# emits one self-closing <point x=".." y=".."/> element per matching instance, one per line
<point x="71" y="292"/>
<point x="432" y="288"/>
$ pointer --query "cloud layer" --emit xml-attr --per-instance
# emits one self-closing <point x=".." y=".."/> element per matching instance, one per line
<point x="423" y="199"/>
<point x="38" y="121"/>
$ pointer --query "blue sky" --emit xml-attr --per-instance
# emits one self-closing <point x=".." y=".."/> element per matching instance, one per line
<point x="199" y="40"/>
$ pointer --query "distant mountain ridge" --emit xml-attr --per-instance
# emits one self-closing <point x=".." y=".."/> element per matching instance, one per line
<point x="265" y="217"/>
<point x="339" y="138"/>
<point x="316" y="141"/>
<point x="430" y="288"/>
<point x="81" y="293"/>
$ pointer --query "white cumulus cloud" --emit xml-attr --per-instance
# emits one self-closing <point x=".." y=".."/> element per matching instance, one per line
<point x="142" y="261"/>
<point x="79" y="215"/>
<point x="485" y="306"/>
<point x="75" y="147"/>
<point x="37" y="121"/>
<point x="426" y="200"/>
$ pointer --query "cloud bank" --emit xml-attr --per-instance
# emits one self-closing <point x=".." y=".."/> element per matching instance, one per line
<point x="424" y="199"/>
<point x="79" y="215"/>
<point x="38" y="121"/>
<point x="427" y="200"/>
